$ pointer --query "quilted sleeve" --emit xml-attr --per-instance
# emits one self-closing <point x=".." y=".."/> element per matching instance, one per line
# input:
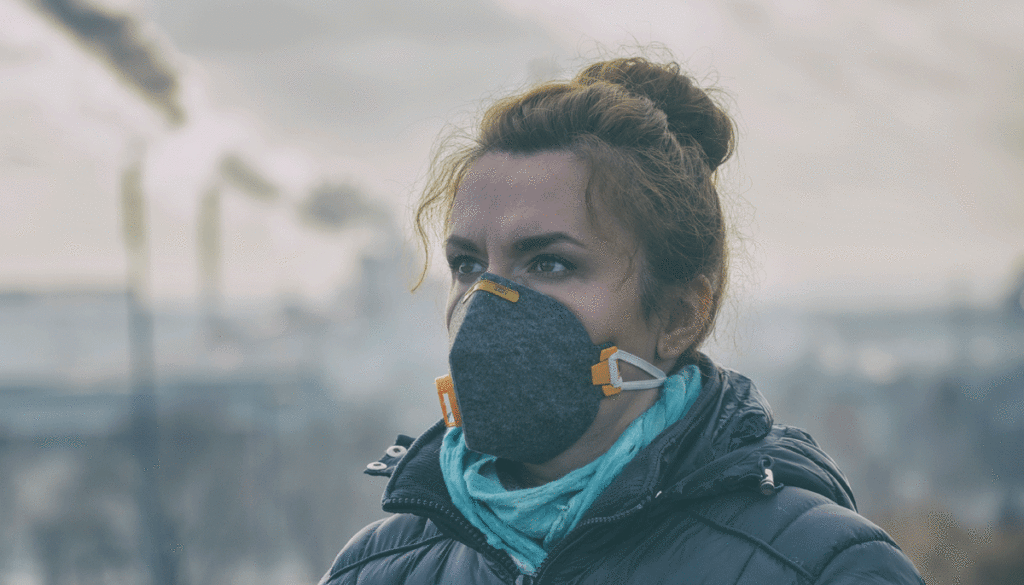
<point x="352" y="552"/>
<point x="871" y="562"/>
<point x="397" y="549"/>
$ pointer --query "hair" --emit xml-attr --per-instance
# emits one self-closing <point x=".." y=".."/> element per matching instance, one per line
<point x="652" y="139"/>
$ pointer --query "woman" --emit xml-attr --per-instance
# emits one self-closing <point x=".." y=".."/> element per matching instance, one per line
<point x="588" y="257"/>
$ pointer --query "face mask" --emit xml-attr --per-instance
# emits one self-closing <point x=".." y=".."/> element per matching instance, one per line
<point x="525" y="379"/>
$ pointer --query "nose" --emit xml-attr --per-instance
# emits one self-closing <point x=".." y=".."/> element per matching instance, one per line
<point x="506" y="270"/>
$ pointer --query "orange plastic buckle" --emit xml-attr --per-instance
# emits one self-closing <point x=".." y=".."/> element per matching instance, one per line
<point x="449" y="406"/>
<point x="601" y="374"/>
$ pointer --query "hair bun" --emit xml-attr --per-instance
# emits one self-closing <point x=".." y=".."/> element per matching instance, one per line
<point x="693" y="117"/>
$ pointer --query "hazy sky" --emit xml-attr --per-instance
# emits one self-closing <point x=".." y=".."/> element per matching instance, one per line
<point x="879" y="155"/>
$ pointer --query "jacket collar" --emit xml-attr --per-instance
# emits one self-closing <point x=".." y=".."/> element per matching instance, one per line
<point x="721" y="445"/>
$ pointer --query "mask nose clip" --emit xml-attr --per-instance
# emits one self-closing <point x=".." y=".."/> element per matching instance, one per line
<point x="605" y="373"/>
<point x="498" y="290"/>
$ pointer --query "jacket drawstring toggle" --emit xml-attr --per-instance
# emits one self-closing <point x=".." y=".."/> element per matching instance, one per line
<point x="768" y="486"/>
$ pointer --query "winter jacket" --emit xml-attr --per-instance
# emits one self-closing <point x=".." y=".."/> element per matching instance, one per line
<point x="722" y="496"/>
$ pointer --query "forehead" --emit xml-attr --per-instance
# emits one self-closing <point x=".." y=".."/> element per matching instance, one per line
<point x="536" y="191"/>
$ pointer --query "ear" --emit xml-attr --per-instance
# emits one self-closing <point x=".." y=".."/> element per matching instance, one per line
<point x="686" y="309"/>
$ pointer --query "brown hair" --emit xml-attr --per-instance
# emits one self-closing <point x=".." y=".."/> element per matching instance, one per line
<point x="652" y="139"/>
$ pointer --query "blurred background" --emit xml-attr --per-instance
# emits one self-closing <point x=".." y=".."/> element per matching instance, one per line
<point x="206" y="329"/>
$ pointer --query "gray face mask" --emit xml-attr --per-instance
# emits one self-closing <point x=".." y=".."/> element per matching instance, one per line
<point x="526" y="379"/>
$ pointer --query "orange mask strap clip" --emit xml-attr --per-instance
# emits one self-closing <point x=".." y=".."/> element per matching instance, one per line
<point x="601" y="375"/>
<point x="449" y="406"/>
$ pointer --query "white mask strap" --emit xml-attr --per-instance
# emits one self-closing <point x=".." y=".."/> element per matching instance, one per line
<point x="612" y="382"/>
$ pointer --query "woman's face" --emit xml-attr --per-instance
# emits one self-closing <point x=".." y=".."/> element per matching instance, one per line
<point x="525" y="218"/>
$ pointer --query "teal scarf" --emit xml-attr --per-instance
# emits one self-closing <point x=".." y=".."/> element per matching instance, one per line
<point x="527" y="523"/>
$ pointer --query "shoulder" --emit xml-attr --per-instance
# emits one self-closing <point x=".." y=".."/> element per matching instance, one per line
<point x="389" y="537"/>
<point x="817" y="539"/>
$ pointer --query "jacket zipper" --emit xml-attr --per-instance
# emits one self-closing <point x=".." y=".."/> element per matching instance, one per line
<point x="578" y="532"/>
<point x="580" y="529"/>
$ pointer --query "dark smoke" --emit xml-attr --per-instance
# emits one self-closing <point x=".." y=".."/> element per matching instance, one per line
<point x="117" y="40"/>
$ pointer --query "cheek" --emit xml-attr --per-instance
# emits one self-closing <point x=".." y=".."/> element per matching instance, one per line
<point x="612" y="314"/>
<point x="596" y="309"/>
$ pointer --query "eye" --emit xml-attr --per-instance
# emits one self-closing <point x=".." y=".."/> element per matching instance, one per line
<point x="550" y="265"/>
<point x="464" y="266"/>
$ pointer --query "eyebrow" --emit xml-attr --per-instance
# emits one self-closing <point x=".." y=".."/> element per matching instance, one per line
<point x="522" y="245"/>
<point x="541" y="241"/>
<point x="463" y="243"/>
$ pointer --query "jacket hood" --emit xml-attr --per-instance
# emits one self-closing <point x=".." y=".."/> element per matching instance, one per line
<point x="722" y="445"/>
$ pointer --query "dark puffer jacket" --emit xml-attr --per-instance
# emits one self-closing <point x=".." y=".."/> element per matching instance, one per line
<point x="690" y="508"/>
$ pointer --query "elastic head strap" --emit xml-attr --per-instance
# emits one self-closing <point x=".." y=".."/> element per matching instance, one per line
<point x="605" y="373"/>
